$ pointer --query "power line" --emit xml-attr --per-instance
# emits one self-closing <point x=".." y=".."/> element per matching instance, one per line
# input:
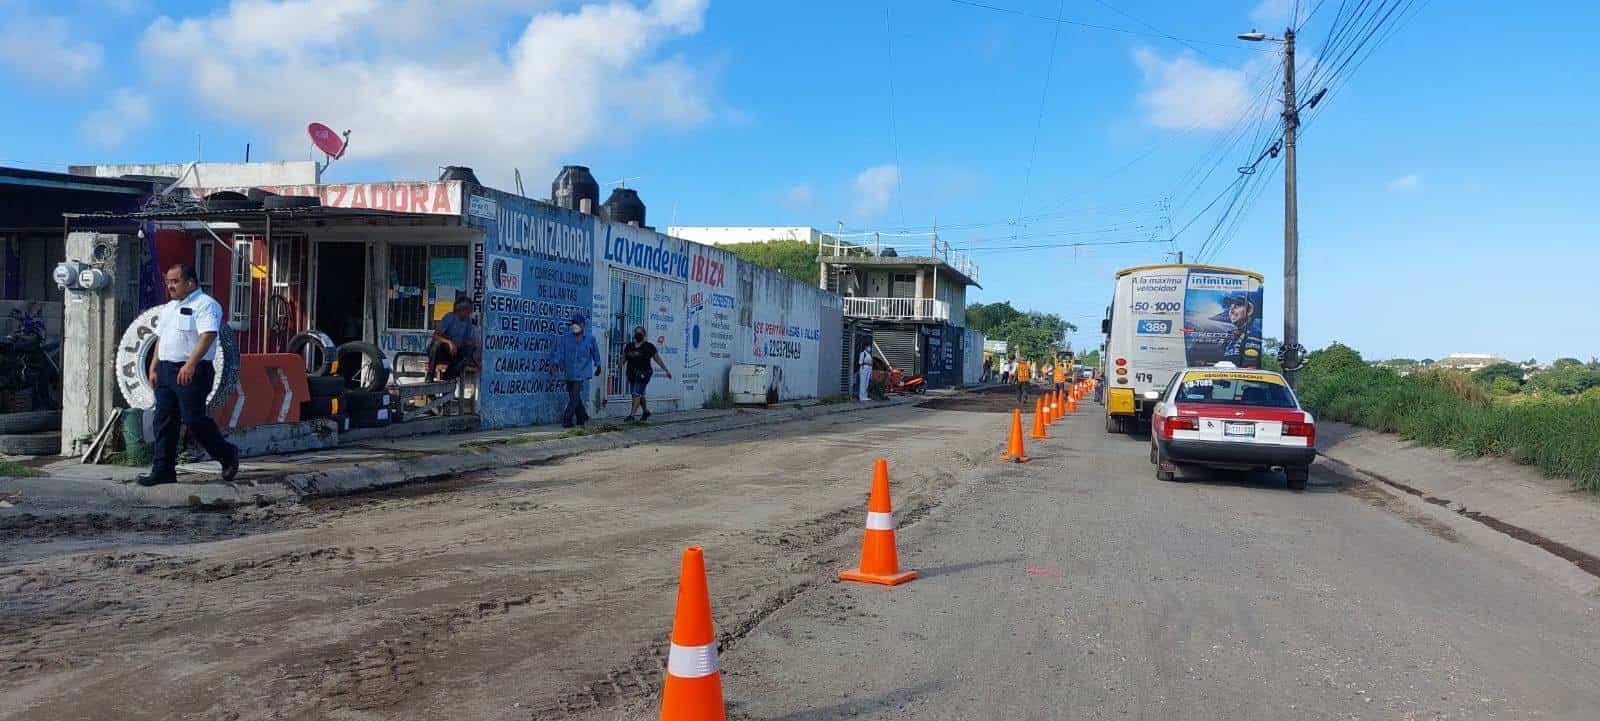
<point x="894" y="133"/>
<point x="1038" y="123"/>
<point x="1158" y="31"/>
<point x="1093" y="26"/>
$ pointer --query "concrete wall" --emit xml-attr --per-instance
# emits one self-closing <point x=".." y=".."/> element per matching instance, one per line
<point x="972" y="356"/>
<point x="787" y="324"/>
<point x="213" y="175"/>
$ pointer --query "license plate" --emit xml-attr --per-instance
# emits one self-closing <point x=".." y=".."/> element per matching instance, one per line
<point x="1239" y="429"/>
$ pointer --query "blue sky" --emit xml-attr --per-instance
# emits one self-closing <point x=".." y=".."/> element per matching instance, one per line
<point x="1445" y="187"/>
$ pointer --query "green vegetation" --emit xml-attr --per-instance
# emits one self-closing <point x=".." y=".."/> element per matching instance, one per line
<point x="12" y="469"/>
<point x="718" y="401"/>
<point x="1476" y="414"/>
<point x="794" y="258"/>
<point x="1090" y="359"/>
<point x="1032" y="335"/>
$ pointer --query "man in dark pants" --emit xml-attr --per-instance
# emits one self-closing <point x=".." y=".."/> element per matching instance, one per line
<point x="182" y="370"/>
<point x="577" y="359"/>
<point x="452" y="342"/>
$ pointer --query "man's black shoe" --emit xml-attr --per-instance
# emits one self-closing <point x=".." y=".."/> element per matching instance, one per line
<point x="230" y="470"/>
<point x="151" y="479"/>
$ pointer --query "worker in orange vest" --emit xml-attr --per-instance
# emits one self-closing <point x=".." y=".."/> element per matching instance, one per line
<point x="1022" y="383"/>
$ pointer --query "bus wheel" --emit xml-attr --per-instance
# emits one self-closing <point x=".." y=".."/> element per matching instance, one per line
<point x="1113" y="424"/>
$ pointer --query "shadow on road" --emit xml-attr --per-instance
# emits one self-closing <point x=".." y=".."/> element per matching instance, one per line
<point x="948" y="569"/>
<point x="845" y="709"/>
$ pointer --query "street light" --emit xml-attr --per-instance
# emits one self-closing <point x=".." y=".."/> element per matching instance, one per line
<point x="1291" y="221"/>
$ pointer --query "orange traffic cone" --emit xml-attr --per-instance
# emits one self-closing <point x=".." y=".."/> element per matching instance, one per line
<point x="1014" y="446"/>
<point x="1072" y="405"/>
<point x="693" y="690"/>
<point x="1047" y="407"/>
<point x="1039" y="413"/>
<point x="879" y="561"/>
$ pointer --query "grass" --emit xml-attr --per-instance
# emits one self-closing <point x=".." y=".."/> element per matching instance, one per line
<point x="588" y="430"/>
<point x="1445" y="409"/>
<point x="12" y="469"/>
<point x="718" y="401"/>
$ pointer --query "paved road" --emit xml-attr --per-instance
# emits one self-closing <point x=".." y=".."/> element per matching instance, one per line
<point x="1080" y="587"/>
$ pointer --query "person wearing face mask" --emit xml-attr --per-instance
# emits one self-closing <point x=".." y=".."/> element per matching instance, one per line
<point x="636" y="357"/>
<point x="577" y="359"/>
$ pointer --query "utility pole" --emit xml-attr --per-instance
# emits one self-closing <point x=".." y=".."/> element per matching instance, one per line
<point x="1291" y="210"/>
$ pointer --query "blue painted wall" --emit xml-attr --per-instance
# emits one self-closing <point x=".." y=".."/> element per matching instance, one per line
<point x="535" y="269"/>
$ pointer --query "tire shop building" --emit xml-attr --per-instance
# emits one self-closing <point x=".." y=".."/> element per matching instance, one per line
<point x="370" y="269"/>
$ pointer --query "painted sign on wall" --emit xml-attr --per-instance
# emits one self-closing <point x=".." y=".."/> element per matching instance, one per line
<point x="538" y="270"/>
<point x="439" y="197"/>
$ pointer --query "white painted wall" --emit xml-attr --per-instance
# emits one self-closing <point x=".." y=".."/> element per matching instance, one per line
<point x="213" y="175"/>
<point x="719" y="234"/>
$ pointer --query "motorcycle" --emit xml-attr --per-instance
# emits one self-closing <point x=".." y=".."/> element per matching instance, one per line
<point x="28" y="364"/>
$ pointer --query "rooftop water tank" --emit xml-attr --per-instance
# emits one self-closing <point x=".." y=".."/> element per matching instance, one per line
<point x="573" y="185"/>
<point x="459" y="172"/>
<point x="624" y="206"/>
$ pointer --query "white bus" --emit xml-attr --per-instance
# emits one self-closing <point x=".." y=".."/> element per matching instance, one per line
<point x="1164" y="318"/>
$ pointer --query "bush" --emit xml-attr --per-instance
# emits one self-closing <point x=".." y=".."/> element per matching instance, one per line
<point x="1449" y="409"/>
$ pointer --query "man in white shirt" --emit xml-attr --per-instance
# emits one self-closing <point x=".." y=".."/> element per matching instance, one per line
<point x="864" y="373"/>
<point x="182" y="371"/>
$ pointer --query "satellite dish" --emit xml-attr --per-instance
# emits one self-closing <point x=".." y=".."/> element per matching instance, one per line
<point x="326" y="140"/>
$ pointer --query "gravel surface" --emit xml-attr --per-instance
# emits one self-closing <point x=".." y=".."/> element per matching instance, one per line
<point x="1078" y="586"/>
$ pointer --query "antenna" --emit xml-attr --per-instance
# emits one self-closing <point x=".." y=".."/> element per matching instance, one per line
<point x="623" y="182"/>
<point x="517" y="173"/>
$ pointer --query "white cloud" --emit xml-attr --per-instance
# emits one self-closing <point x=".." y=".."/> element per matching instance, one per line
<point x="424" y="83"/>
<point x="44" y="50"/>
<point x="1185" y="94"/>
<point x="1407" y="182"/>
<point x="1272" y="16"/>
<point x="126" y="113"/>
<point x="799" y="198"/>
<point x="874" y="188"/>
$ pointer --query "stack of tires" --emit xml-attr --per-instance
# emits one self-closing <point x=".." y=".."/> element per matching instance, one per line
<point x="327" y="391"/>
<point x="364" y="371"/>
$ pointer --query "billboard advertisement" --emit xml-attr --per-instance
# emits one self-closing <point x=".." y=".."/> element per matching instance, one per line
<point x="1222" y="319"/>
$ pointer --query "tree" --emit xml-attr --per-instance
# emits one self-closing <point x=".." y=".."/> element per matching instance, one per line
<point x="986" y="318"/>
<point x="1090" y="359"/>
<point x="794" y="258"/>
<point x="1564" y="362"/>
<point x="1335" y="358"/>
<point x="1491" y="376"/>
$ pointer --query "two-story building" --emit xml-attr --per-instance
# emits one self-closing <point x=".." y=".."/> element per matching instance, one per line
<point x="913" y="307"/>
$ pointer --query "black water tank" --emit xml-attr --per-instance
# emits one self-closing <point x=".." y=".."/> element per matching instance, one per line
<point x="889" y="253"/>
<point x="572" y="186"/>
<point x="459" y="172"/>
<point x="624" y="206"/>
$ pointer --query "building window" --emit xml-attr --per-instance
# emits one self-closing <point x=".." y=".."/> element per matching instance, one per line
<point x="239" y="285"/>
<point x="203" y="264"/>
<point x="423" y="283"/>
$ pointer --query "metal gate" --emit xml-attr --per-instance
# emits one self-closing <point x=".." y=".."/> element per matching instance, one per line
<point x="630" y="297"/>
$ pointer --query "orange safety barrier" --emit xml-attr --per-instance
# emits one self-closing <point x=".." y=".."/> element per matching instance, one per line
<point x="1014" y="445"/>
<point x="693" y="689"/>
<point x="270" y="390"/>
<point x="880" y="562"/>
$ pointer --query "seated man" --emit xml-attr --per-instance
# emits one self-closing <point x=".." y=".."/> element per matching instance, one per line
<point x="453" y="343"/>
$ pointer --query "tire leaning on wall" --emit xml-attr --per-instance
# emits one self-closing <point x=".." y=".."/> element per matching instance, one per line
<point x="363" y="366"/>
<point x="133" y="363"/>
<point x="297" y="345"/>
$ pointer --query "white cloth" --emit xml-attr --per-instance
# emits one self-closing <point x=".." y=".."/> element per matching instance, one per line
<point x="182" y="322"/>
<point x="864" y="381"/>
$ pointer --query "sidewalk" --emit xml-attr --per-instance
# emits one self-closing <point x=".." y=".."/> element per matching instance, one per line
<point x="1514" y="499"/>
<point x="367" y="462"/>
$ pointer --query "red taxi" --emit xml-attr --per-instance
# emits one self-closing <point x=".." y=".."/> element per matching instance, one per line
<point x="1232" y="418"/>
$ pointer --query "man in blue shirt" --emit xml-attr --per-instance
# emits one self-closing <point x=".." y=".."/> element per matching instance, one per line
<point x="577" y="359"/>
<point x="452" y="342"/>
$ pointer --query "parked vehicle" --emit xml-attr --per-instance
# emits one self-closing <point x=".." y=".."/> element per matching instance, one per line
<point x="28" y="364"/>
<point x="1232" y="418"/>
<point x="1166" y="317"/>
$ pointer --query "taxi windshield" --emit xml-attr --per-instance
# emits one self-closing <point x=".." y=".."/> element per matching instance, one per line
<point x="1238" y="389"/>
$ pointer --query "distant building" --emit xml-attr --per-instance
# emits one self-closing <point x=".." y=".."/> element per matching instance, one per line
<point x="724" y="234"/>
<point x="1469" y="361"/>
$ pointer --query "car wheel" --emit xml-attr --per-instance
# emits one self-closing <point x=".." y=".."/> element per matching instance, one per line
<point x="1297" y="477"/>
<point x="1113" y="424"/>
<point x="1165" y="470"/>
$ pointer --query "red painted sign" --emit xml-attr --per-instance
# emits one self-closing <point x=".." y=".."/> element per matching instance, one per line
<point x="438" y="197"/>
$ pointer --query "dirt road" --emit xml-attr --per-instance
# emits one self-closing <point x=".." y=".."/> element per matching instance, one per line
<point x="1078" y="586"/>
<point x="536" y="593"/>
